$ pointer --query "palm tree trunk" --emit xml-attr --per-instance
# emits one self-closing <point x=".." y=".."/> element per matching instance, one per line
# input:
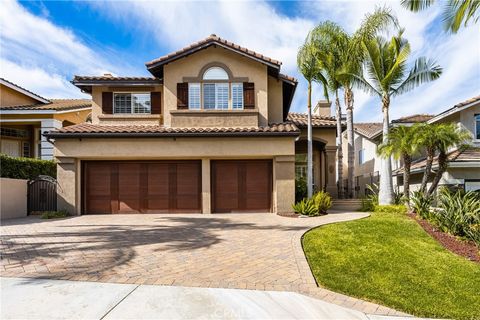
<point x="338" y="110"/>
<point x="428" y="169"/>
<point x="407" y="163"/>
<point x="442" y="167"/>
<point x="385" y="194"/>
<point x="309" y="144"/>
<point x="350" y="140"/>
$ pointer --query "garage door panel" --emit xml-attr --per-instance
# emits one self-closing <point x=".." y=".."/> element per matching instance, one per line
<point x="134" y="187"/>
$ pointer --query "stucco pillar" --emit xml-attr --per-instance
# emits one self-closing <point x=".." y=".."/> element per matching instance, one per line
<point x="67" y="185"/>
<point x="330" y="155"/>
<point x="283" y="184"/>
<point x="206" y="188"/>
<point x="46" y="151"/>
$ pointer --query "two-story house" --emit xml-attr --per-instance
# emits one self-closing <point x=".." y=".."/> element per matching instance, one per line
<point x="25" y="116"/>
<point x="209" y="132"/>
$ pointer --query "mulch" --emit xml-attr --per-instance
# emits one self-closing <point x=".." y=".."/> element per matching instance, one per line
<point x="466" y="249"/>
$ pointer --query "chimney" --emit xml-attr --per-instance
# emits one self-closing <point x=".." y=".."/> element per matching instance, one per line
<point x="322" y="109"/>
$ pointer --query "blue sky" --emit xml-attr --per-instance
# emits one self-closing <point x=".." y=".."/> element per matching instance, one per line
<point x="43" y="44"/>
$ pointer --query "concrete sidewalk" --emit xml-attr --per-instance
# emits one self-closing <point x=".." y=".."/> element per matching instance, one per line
<point x="59" y="299"/>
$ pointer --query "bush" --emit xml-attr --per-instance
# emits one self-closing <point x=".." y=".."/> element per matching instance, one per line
<point x="459" y="213"/>
<point x="323" y="201"/>
<point x="394" y="208"/>
<point x="300" y="189"/>
<point x="54" y="214"/>
<point x="421" y="203"/>
<point x="26" y="168"/>
<point x="306" y="207"/>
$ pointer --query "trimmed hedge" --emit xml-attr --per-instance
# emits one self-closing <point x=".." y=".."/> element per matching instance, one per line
<point x="26" y="168"/>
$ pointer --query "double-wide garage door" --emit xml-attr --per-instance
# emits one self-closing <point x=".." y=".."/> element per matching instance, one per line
<point x="175" y="186"/>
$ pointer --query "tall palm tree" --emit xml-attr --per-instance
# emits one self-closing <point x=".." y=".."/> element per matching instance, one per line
<point x="344" y="57"/>
<point x="386" y="70"/>
<point x="455" y="13"/>
<point x="447" y="136"/>
<point x="402" y="144"/>
<point x="310" y="67"/>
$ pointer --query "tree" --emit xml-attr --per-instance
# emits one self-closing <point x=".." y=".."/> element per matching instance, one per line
<point x="309" y="66"/>
<point x="426" y="137"/>
<point x="402" y="144"/>
<point x="447" y="136"/>
<point x="455" y="13"/>
<point x="343" y="56"/>
<point x="386" y="70"/>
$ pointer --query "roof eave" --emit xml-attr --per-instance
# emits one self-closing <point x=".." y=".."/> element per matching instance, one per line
<point x="74" y="135"/>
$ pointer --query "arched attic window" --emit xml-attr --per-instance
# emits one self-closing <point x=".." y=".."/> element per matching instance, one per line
<point x="215" y="73"/>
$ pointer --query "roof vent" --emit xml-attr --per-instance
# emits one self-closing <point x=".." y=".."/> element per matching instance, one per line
<point x="213" y="35"/>
<point x="109" y="75"/>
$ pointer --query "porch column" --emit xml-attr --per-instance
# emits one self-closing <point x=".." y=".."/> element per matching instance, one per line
<point x="67" y="185"/>
<point x="331" y="158"/>
<point x="283" y="184"/>
<point x="206" y="187"/>
<point x="46" y="152"/>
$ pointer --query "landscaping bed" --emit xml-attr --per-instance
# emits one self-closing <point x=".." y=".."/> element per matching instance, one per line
<point x="466" y="249"/>
<point x="390" y="260"/>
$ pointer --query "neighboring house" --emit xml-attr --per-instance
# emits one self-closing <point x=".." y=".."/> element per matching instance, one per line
<point x="464" y="163"/>
<point x="25" y="116"/>
<point x="209" y="132"/>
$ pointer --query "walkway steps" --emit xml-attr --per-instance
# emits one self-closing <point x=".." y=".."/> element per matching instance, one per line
<point x="346" y="204"/>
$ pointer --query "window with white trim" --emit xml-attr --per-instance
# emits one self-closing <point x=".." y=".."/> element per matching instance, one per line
<point x="215" y="96"/>
<point x="131" y="103"/>
<point x="237" y="96"/>
<point x="477" y="126"/>
<point x="194" y="96"/>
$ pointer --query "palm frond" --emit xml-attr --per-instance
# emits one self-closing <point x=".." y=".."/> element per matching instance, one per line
<point x="416" y="5"/>
<point x="362" y="84"/>
<point x="458" y="12"/>
<point x="423" y="71"/>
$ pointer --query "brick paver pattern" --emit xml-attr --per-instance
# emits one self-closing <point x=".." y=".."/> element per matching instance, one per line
<point x="244" y="251"/>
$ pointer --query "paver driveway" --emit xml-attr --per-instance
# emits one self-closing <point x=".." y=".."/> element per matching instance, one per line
<point x="252" y="251"/>
<point x="234" y="250"/>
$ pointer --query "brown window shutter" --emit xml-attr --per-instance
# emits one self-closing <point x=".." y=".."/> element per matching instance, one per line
<point x="249" y="95"/>
<point x="182" y="95"/>
<point x="107" y="102"/>
<point x="156" y="101"/>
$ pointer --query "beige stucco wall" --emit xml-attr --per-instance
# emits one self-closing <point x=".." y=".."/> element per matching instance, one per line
<point x="130" y="119"/>
<point x="275" y="100"/>
<point x="73" y="116"/>
<point x="10" y="97"/>
<point x="13" y="198"/>
<point x="214" y="118"/>
<point x="281" y="150"/>
<point x="239" y="66"/>
<point x="466" y="118"/>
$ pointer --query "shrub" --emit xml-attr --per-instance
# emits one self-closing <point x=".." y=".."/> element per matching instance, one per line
<point x="300" y="189"/>
<point x="459" y="213"/>
<point x="54" y="214"/>
<point x="26" y="168"/>
<point x="306" y="207"/>
<point x="394" y="208"/>
<point x="421" y="203"/>
<point x="323" y="201"/>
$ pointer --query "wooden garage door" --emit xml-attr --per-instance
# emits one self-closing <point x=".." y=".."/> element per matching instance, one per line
<point x="141" y="187"/>
<point x="242" y="186"/>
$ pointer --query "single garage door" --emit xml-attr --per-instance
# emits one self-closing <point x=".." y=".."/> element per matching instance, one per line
<point x="141" y="187"/>
<point x="242" y="186"/>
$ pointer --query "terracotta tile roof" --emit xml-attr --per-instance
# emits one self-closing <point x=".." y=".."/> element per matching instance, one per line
<point x="112" y="78"/>
<point x="416" y="118"/>
<point x="301" y="121"/>
<point x="55" y="104"/>
<point x="286" y="77"/>
<point x="25" y="91"/>
<point x="468" y="154"/>
<point x="368" y="129"/>
<point x="468" y="101"/>
<point x="208" y="41"/>
<point x="94" y="130"/>
<point x="452" y="109"/>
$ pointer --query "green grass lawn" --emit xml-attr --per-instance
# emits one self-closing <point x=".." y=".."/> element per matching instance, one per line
<point x="389" y="259"/>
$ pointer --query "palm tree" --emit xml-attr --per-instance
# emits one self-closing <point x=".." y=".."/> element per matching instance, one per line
<point x="447" y="136"/>
<point x="345" y="56"/>
<point x="386" y="67"/>
<point x="402" y="144"/>
<point x="455" y="14"/>
<point x="427" y="138"/>
<point x="309" y="66"/>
